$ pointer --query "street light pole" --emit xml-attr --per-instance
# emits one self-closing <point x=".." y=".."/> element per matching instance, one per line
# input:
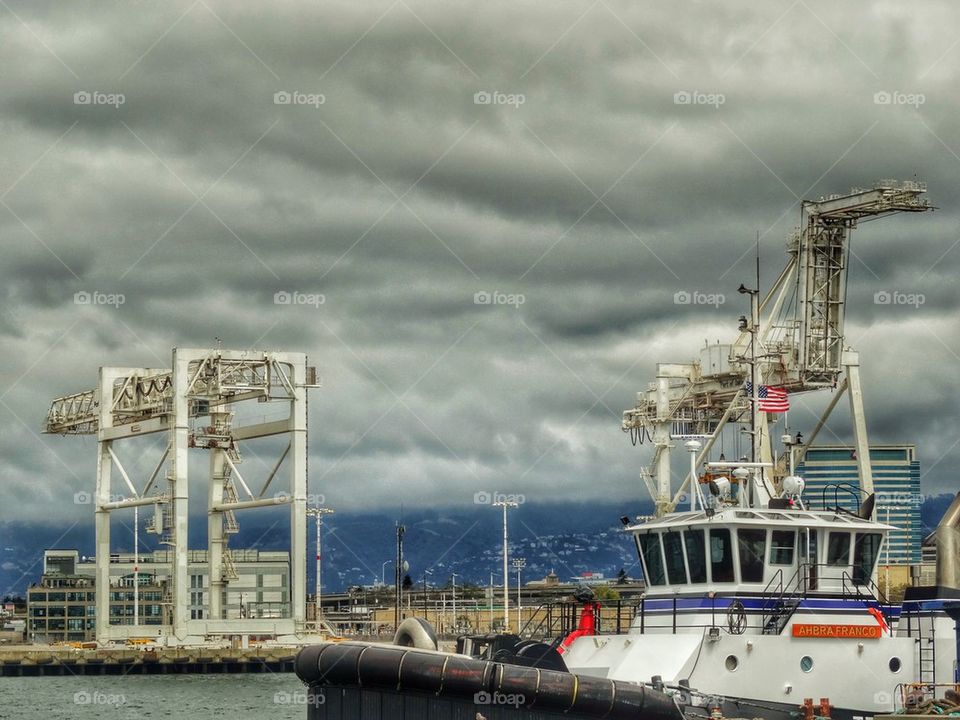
<point x="136" y="565"/>
<point x="317" y="514"/>
<point x="505" y="504"/>
<point x="491" y="602"/>
<point x="453" y="581"/>
<point x="383" y="572"/>
<point x="886" y="549"/>
<point x="518" y="565"/>
<point x="425" y="573"/>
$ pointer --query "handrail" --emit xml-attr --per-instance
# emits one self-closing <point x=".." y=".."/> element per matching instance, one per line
<point x="850" y="488"/>
<point x="855" y="591"/>
<point x="794" y="588"/>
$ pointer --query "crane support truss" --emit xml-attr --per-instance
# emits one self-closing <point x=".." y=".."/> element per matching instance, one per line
<point x="201" y="384"/>
<point x="800" y="349"/>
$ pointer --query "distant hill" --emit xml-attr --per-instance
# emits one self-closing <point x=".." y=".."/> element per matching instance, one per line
<point x="568" y="538"/>
<point x="933" y="508"/>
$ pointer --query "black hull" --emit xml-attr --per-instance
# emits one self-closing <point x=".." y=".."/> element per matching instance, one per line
<point x="359" y="681"/>
<point x="342" y="703"/>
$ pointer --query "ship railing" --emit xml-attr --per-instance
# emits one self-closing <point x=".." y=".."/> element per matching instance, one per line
<point x="780" y="600"/>
<point x="559" y="618"/>
<point x="553" y="619"/>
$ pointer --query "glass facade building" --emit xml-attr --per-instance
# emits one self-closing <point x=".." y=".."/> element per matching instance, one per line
<point x="832" y="479"/>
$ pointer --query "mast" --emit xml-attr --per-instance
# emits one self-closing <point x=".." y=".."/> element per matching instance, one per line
<point x="802" y="335"/>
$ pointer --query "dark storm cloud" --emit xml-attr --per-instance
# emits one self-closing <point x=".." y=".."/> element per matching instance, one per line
<point x="597" y="199"/>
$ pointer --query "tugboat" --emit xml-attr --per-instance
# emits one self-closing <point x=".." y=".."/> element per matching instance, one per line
<point x="761" y="601"/>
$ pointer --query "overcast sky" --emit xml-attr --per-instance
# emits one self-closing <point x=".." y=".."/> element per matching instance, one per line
<point x="397" y="158"/>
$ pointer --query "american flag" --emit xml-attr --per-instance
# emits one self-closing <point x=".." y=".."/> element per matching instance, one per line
<point x="772" y="399"/>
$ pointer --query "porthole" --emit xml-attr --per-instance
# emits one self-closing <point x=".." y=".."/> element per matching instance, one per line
<point x="806" y="663"/>
<point x="732" y="663"/>
<point x="895" y="665"/>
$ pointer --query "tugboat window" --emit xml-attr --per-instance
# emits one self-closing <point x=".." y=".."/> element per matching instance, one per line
<point x="895" y="665"/>
<point x="782" y="543"/>
<point x="673" y="550"/>
<point x="752" y="545"/>
<point x="652" y="560"/>
<point x="721" y="556"/>
<point x="732" y="663"/>
<point x="696" y="555"/>
<point x="806" y="663"/>
<point x="838" y="549"/>
<point x="866" y="548"/>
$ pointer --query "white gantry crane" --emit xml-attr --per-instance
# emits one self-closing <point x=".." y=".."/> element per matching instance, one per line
<point x="794" y="339"/>
<point x="191" y="403"/>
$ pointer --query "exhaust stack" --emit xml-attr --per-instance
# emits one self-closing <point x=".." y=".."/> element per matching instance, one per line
<point x="947" y="539"/>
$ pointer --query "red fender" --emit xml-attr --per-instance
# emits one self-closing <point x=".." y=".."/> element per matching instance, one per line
<point x="587" y="626"/>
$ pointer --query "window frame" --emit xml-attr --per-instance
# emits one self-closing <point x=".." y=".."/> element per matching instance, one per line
<point x="676" y="537"/>
<point x="726" y="560"/>
<point x="689" y="542"/>
<point x="642" y="547"/>
<point x="832" y="561"/>
<point x="758" y="558"/>
<point x="772" y="559"/>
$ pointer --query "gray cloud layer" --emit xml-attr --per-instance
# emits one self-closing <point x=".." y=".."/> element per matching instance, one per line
<point x="399" y="197"/>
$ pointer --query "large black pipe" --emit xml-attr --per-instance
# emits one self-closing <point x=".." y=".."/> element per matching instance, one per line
<point x="461" y="679"/>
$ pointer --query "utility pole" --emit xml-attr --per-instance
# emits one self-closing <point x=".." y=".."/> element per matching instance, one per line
<point x="398" y="574"/>
<point x="317" y="514"/>
<point x="505" y="504"/>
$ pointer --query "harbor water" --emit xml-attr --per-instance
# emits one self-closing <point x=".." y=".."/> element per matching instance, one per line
<point x="278" y="696"/>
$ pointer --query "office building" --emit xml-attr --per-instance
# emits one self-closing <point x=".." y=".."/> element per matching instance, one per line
<point x="832" y="480"/>
<point x="61" y="606"/>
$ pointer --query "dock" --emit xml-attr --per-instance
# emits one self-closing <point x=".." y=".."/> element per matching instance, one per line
<point x="37" y="661"/>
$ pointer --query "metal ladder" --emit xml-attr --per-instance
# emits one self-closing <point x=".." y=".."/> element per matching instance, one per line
<point x="777" y="614"/>
<point x="926" y="647"/>
<point x="928" y="653"/>
<point x="230" y="524"/>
